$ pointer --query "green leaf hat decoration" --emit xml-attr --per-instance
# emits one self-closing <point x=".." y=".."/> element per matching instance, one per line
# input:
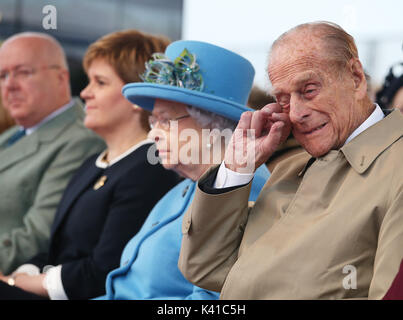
<point x="183" y="72"/>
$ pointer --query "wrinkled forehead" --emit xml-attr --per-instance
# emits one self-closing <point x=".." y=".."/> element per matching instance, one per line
<point x="296" y="69"/>
<point x="295" y="46"/>
<point x="291" y="58"/>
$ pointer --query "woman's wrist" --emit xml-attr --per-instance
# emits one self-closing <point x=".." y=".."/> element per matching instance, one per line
<point x="28" y="283"/>
<point x="11" y="280"/>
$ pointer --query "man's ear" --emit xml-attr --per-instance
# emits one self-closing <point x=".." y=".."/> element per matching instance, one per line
<point x="359" y="78"/>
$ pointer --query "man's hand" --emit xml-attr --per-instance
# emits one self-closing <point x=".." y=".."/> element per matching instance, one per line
<point x="256" y="137"/>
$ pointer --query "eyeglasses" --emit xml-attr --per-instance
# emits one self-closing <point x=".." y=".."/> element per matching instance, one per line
<point x="23" y="72"/>
<point x="164" y="123"/>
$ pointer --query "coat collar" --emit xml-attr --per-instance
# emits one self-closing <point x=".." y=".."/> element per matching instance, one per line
<point x="75" y="189"/>
<point x="54" y="127"/>
<point x="23" y="149"/>
<point x="29" y="145"/>
<point x="171" y="206"/>
<point x="362" y="151"/>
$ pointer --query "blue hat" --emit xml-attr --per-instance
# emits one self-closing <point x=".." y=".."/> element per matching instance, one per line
<point x="198" y="74"/>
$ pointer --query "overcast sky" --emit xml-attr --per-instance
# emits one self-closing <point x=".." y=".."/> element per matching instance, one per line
<point x="249" y="27"/>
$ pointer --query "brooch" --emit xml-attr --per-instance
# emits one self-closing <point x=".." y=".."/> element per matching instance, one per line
<point x="100" y="182"/>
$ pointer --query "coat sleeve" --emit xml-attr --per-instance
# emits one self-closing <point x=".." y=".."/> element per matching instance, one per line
<point x="32" y="237"/>
<point x="212" y="232"/>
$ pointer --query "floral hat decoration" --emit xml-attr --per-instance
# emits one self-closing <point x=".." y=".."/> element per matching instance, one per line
<point x="198" y="74"/>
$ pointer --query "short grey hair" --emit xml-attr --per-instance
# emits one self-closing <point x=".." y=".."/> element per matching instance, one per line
<point x="210" y="120"/>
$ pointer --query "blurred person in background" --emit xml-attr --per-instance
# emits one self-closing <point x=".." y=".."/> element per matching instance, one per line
<point x="40" y="154"/>
<point x="190" y="90"/>
<point x="5" y="119"/>
<point x="111" y="194"/>
<point x="391" y="94"/>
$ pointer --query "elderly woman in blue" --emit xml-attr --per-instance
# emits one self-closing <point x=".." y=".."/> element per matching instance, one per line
<point x="196" y="92"/>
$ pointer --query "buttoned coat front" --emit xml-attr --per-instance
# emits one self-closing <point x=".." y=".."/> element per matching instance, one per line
<point x="93" y="223"/>
<point x="34" y="173"/>
<point x="326" y="228"/>
<point x="149" y="263"/>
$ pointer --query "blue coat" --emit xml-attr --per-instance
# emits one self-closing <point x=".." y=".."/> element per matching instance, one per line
<point x="149" y="263"/>
<point x="92" y="227"/>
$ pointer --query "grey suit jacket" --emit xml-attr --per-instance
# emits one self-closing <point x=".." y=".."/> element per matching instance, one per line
<point x="33" y="175"/>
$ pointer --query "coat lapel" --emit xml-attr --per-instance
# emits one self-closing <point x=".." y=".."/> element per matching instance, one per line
<point x="30" y="144"/>
<point x="172" y="205"/>
<point x="56" y="126"/>
<point x="73" y="191"/>
<point x="22" y="149"/>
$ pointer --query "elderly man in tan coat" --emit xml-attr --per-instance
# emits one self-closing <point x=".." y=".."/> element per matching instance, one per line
<point x="328" y="223"/>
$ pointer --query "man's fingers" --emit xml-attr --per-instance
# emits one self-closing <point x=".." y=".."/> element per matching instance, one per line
<point x="245" y="120"/>
<point x="272" y="107"/>
<point x="284" y="117"/>
<point x="259" y="122"/>
<point x="273" y="112"/>
<point x="280" y="117"/>
<point x="244" y="124"/>
<point x="269" y="128"/>
<point x="273" y="139"/>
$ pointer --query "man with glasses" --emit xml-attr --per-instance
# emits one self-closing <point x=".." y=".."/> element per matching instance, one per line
<point x="39" y="154"/>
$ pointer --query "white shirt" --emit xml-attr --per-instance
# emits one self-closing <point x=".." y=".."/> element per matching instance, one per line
<point x="100" y="163"/>
<point x="228" y="178"/>
<point x="53" y="279"/>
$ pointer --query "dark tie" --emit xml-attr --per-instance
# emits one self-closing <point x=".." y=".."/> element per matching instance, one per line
<point x="15" y="137"/>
